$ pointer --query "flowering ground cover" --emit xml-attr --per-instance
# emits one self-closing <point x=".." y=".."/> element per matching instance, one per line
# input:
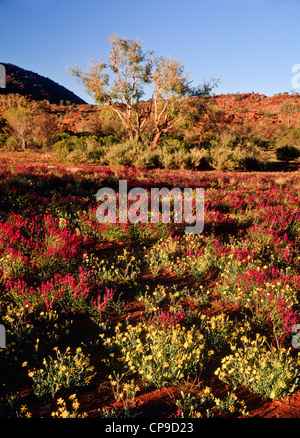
<point x="142" y="320"/>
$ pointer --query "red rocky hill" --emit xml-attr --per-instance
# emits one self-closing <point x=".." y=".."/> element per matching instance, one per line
<point x="259" y="110"/>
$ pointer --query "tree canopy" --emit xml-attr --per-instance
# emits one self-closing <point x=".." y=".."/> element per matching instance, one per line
<point x="120" y="84"/>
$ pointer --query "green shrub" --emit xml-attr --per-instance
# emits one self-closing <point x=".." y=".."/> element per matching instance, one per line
<point x="131" y="153"/>
<point x="64" y="147"/>
<point x="79" y="149"/>
<point x="199" y="159"/>
<point x="222" y="158"/>
<point x="122" y="154"/>
<point x="172" y="143"/>
<point x="108" y="140"/>
<point x="174" y="156"/>
<point x="13" y="143"/>
<point x="149" y="160"/>
<point x="291" y="138"/>
<point x="3" y="139"/>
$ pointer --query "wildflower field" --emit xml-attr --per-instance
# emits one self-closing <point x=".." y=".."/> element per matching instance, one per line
<point x="144" y="320"/>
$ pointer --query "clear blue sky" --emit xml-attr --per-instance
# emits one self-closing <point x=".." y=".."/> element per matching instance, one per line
<point x="250" y="44"/>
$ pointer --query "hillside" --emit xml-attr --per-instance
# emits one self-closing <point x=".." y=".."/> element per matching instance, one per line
<point x="258" y="110"/>
<point x="36" y="87"/>
<point x="247" y="111"/>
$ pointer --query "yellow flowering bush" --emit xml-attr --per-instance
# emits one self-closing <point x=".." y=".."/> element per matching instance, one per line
<point x="13" y="266"/>
<point x="25" y="324"/>
<point x="124" y="391"/>
<point x="191" y="407"/>
<point x="218" y="331"/>
<point x="160" y="355"/>
<point x="161" y="254"/>
<point x="23" y="412"/>
<point x="266" y="371"/>
<point x="19" y="329"/>
<point x="153" y="301"/>
<point x="64" y="412"/>
<point x="188" y="255"/>
<point x="231" y="404"/>
<point x="124" y="268"/>
<point x="207" y="405"/>
<point x="65" y="371"/>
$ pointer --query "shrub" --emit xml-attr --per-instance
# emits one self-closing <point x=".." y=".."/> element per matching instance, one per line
<point x="63" y="411"/>
<point x="224" y="158"/>
<point x="66" y="371"/>
<point x="160" y="355"/>
<point x="131" y="153"/>
<point x="64" y="147"/>
<point x="173" y="154"/>
<point x="249" y="163"/>
<point x="192" y="407"/>
<point x="94" y="149"/>
<point x="3" y="139"/>
<point x="172" y="158"/>
<point x="291" y="138"/>
<point x="13" y="143"/>
<point x="287" y="153"/>
<point x="108" y="140"/>
<point x="77" y="156"/>
<point x="148" y="160"/>
<point x="199" y="159"/>
<point x="79" y="149"/>
<point x="123" y="154"/>
<point x="268" y="372"/>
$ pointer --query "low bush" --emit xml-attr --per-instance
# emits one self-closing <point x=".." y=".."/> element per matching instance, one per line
<point x="223" y="158"/>
<point x="65" y="371"/>
<point x="268" y="372"/>
<point x="76" y="149"/>
<point x="160" y="355"/>
<point x="287" y="153"/>
<point x="3" y="139"/>
<point x="250" y="163"/>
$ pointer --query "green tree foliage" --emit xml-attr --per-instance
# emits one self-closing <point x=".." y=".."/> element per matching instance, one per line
<point x="28" y="121"/>
<point x="21" y="123"/>
<point x="119" y="83"/>
<point x="175" y="103"/>
<point x="170" y="85"/>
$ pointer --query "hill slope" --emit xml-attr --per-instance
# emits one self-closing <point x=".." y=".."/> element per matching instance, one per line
<point x="35" y="86"/>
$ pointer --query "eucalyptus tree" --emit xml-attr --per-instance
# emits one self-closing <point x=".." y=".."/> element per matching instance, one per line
<point x="120" y="82"/>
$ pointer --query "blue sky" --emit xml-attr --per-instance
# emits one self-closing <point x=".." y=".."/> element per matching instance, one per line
<point x="251" y="45"/>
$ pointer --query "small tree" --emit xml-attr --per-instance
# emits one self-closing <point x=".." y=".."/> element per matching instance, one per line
<point x="45" y="128"/>
<point x="28" y="120"/>
<point x="21" y="123"/>
<point x="287" y="109"/>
